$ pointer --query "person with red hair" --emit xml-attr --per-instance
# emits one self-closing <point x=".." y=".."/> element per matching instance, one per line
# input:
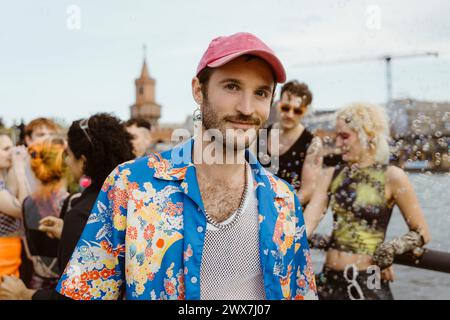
<point x="50" y="169"/>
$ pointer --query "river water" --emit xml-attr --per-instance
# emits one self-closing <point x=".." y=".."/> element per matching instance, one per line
<point x="433" y="191"/>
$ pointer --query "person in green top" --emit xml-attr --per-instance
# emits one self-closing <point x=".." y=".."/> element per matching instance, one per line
<point x="361" y="194"/>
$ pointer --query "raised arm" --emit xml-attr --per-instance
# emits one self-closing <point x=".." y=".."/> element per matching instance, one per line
<point x="311" y="170"/>
<point x="317" y="207"/>
<point x="9" y="205"/>
<point x="17" y="176"/>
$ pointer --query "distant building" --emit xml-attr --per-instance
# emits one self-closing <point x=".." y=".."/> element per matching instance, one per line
<point x="420" y="132"/>
<point x="147" y="108"/>
<point x="323" y="120"/>
<point x="419" y="118"/>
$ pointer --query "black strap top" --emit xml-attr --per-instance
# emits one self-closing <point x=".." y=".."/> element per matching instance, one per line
<point x="290" y="163"/>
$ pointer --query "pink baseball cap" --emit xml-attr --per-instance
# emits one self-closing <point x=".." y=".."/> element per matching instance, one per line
<point x="222" y="50"/>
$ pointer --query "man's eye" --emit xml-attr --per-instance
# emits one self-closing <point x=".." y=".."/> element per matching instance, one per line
<point x="262" y="93"/>
<point x="232" y="86"/>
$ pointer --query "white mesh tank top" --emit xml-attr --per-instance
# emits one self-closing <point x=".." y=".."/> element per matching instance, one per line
<point x="230" y="267"/>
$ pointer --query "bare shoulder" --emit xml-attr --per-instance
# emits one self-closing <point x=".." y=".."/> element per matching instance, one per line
<point x="396" y="176"/>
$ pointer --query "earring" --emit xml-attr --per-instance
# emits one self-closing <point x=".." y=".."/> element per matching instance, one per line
<point x="197" y="119"/>
<point x="197" y="115"/>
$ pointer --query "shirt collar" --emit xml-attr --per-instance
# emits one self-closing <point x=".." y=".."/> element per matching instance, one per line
<point x="176" y="165"/>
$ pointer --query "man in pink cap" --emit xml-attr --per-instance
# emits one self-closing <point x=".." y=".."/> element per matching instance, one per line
<point x="176" y="225"/>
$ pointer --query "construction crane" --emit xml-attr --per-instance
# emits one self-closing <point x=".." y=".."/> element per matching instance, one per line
<point x="386" y="58"/>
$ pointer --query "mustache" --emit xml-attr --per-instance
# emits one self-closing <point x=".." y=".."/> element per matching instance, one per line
<point x="242" y="118"/>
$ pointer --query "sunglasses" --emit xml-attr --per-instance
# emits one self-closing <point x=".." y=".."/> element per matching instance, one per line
<point x="287" y="108"/>
<point x="84" y="126"/>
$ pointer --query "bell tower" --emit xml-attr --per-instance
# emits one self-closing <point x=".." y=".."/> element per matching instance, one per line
<point x="145" y="106"/>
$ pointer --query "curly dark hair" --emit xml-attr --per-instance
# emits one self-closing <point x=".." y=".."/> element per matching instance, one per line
<point x="105" y="143"/>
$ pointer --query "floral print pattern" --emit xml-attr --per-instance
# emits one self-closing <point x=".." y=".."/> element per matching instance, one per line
<point x="144" y="238"/>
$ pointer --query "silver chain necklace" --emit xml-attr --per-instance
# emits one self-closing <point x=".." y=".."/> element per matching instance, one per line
<point x="238" y="211"/>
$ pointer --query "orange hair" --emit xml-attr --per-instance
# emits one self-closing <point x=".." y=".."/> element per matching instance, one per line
<point x="47" y="163"/>
<point x="41" y="122"/>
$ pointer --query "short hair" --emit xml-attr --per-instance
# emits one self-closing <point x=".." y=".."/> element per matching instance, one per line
<point x="41" y="122"/>
<point x="299" y="89"/>
<point x="371" y="123"/>
<point x="138" y="122"/>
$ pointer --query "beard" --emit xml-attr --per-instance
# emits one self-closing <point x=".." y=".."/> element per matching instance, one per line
<point x="234" y="139"/>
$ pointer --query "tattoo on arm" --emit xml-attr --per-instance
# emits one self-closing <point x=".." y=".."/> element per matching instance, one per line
<point x="313" y="153"/>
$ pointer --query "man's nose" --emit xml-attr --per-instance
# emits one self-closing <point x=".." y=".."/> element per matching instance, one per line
<point x="245" y="104"/>
<point x="290" y="113"/>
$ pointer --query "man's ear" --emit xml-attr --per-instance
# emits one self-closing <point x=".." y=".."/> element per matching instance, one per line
<point x="197" y="91"/>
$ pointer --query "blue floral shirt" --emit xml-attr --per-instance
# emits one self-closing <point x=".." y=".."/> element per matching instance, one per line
<point x="144" y="238"/>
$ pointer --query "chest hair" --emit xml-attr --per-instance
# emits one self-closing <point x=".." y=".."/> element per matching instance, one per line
<point x="220" y="200"/>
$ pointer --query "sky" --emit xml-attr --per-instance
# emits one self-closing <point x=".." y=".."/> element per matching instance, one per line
<point x="71" y="59"/>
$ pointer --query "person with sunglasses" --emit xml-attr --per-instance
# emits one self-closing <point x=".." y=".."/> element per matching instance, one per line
<point x="95" y="147"/>
<point x="176" y="225"/>
<point x="297" y="157"/>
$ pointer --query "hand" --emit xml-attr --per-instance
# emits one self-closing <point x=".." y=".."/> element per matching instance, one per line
<point x="384" y="255"/>
<point x="12" y="288"/>
<point x="19" y="157"/>
<point x="52" y="226"/>
<point x="20" y="154"/>
<point x="388" y="274"/>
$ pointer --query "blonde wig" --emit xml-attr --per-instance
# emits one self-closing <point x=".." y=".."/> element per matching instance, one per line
<point x="370" y="122"/>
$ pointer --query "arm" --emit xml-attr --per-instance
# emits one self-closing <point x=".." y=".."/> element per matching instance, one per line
<point x="10" y="205"/>
<point x="400" y="190"/>
<point x="317" y="207"/>
<point x="405" y="198"/>
<point x="11" y="182"/>
<point x="12" y="288"/>
<point x="311" y="170"/>
<point x="100" y="250"/>
<point x="20" y="160"/>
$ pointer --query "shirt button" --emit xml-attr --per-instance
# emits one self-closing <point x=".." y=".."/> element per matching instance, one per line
<point x="194" y="280"/>
<point x="200" y="229"/>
